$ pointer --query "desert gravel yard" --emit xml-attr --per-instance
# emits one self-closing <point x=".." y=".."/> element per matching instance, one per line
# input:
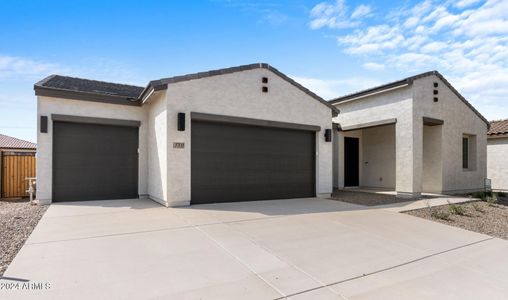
<point x="17" y="220"/>
<point x="478" y="216"/>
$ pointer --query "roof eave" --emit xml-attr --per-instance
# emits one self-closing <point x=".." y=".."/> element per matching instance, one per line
<point x="86" y="96"/>
<point x="374" y="90"/>
<point x="497" y="135"/>
<point x="152" y="87"/>
<point x="17" y="148"/>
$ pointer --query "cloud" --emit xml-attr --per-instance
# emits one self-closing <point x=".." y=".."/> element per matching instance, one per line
<point x="466" y="3"/>
<point x="489" y="19"/>
<point x="333" y="88"/>
<point x="372" y="66"/>
<point x="373" y="39"/>
<point x="433" y="47"/>
<point x="336" y="15"/>
<point x="361" y="11"/>
<point x="411" y="22"/>
<point x="467" y="41"/>
<point x="13" y="67"/>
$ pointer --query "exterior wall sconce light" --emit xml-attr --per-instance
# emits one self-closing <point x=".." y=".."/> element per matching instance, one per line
<point x="328" y="135"/>
<point x="44" y="124"/>
<point x="181" y="122"/>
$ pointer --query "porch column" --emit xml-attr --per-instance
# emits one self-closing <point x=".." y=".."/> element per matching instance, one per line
<point x="408" y="158"/>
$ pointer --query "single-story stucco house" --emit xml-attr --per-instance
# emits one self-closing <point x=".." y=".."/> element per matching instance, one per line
<point x="414" y="135"/>
<point x="497" y="154"/>
<point x="250" y="133"/>
<point x="236" y="134"/>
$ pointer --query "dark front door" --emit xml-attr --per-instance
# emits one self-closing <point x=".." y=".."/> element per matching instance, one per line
<point x="232" y="163"/>
<point x="351" y="162"/>
<point x="94" y="162"/>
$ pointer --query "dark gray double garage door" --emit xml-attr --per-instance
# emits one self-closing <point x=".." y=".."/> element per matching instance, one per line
<point x="229" y="162"/>
<point x="232" y="162"/>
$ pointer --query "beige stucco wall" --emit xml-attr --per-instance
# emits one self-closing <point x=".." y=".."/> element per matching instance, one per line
<point x="497" y="162"/>
<point x="239" y="94"/>
<point x="49" y="105"/>
<point x="458" y="119"/>
<point x="157" y="147"/>
<point x="396" y="104"/>
<point x="432" y="179"/>
<point x="378" y="164"/>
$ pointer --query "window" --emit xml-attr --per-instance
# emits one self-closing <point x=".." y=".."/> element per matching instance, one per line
<point x="465" y="153"/>
<point x="469" y="152"/>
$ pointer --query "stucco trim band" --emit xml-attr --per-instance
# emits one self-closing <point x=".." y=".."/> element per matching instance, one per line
<point x="253" y="122"/>
<point x="432" y="122"/>
<point x="90" y="120"/>
<point x="368" y="125"/>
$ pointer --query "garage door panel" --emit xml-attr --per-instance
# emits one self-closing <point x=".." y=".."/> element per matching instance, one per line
<point x="242" y="163"/>
<point x="246" y="192"/>
<point x="267" y="143"/>
<point x="94" y="162"/>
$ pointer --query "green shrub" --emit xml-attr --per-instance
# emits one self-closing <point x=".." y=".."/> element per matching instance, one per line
<point x="455" y="209"/>
<point x="492" y="200"/>
<point x="477" y="207"/>
<point x="438" y="214"/>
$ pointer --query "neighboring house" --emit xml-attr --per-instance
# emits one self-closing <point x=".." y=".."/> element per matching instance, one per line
<point x="236" y="134"/>
<point x="497" y="154"/>
<point x="414" y="135"/>
<point x="17" y="161"/>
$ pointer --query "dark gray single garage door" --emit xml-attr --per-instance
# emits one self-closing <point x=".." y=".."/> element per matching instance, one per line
<point x="232" y="163"/>
<point x="94" y="162"/>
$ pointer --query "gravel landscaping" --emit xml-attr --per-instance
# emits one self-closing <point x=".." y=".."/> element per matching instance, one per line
<point x="17" y="220"/>
<point x="478" y="216"/>
<point x="367" y="199"/>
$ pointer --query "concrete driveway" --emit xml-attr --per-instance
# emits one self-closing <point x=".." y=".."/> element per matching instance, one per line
<point x="300" y="249"/>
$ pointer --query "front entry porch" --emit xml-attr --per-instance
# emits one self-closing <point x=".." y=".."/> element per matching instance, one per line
<point x="389" y="157"/>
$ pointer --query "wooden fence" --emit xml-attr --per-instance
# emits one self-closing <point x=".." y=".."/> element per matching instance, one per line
<point x="16" y="166"/>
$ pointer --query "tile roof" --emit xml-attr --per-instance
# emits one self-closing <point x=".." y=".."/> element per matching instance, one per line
<point x="8" y="142"/>
<point x="91" y="86"/>
<point x="498" y="127"/>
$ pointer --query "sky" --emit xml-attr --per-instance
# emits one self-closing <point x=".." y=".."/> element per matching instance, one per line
<point x="332" y="47"/>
